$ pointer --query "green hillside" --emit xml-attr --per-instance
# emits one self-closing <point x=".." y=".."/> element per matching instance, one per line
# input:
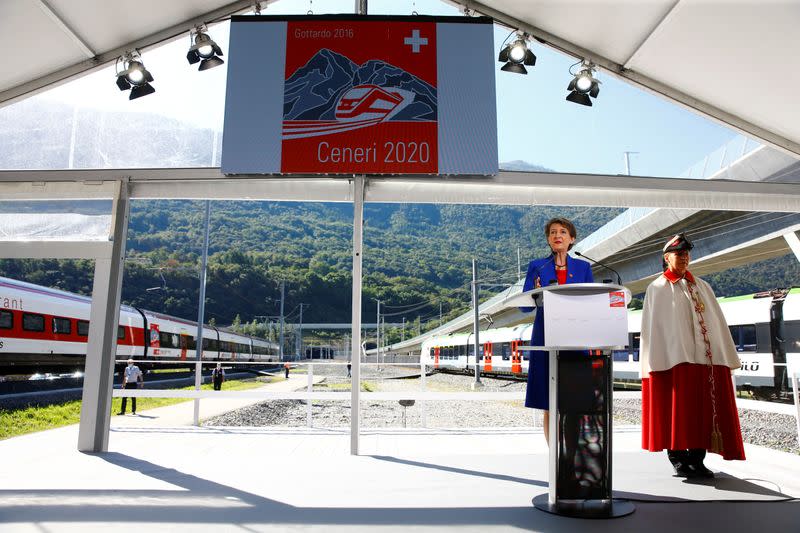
<point x="416" y="258"/>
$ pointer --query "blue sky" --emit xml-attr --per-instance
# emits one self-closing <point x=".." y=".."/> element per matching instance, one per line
<point x="535" y="122"/>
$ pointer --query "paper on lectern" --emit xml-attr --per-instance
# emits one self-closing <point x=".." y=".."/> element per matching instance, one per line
<point x="584" y="320"/>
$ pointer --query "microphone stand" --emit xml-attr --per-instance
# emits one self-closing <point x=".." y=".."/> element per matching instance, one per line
<point x="619" y="278"/>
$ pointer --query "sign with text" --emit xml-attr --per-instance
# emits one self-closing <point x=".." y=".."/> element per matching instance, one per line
<point x="573" y="319"/>
<point x="360" y="95"/>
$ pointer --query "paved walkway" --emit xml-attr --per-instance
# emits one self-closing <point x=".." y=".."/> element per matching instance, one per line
<point x="184" y="478"/>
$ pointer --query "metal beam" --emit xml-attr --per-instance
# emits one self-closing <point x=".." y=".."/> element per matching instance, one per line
<point x="637" y="79"/>
<point x="507" y="188"/>
<point x="55" y="250"/>
<point x="793" y="242"/>
<point x="103" y="322"/>
<point x="69" y="32"/>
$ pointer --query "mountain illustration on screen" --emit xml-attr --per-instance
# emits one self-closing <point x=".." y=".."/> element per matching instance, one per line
<point x="331" y="87"/>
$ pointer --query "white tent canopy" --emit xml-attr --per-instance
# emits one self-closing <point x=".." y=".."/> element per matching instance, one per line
<point x="729" y="59"/>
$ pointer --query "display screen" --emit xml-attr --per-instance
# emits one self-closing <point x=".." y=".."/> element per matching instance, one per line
<point x="360" y="95"/>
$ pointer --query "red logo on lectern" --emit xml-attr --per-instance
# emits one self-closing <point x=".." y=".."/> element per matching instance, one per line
<point x="617" y="299"/>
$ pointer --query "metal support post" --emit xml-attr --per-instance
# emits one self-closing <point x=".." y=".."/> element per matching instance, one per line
<point x="299" y="338"/>
<point x="310" y="388"/>
<point x="795" y="378"/>
<point x="476" y="326"/>
<point x="355" y="383"/>
<point x="201" y="310"/>
<point x="283" y="293"/>
<point x="552" y="441"/>
<point x="98" y="379"/>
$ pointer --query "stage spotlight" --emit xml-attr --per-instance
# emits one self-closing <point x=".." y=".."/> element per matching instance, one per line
<point x="517" y="54"/>
<point x="134" y="76"/>
<point x="583" y="85"/>
<point x="205" y="49"/>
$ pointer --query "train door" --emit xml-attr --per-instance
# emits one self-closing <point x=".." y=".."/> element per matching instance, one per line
<point x="516" y="360"/>
<point x="487" y="357"/>
<point x="436" y="357"/>
<point x="184" y="344"/>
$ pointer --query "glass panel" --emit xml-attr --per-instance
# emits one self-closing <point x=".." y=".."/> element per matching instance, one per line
<point x="83" y="328"/>
<point x="79" y="220"/>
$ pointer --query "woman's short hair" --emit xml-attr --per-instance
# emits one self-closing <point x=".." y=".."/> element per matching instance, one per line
<point x="563" y="222"/>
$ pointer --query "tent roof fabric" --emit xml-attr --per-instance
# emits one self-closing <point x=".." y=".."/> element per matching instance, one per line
<point x="729" y="59"/>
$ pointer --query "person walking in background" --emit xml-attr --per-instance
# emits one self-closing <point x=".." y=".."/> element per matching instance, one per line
<point x="286" y="369"/>
<point x="557" y="268"/>
<point x="687" y="356"/>
<point x="131" y="378"/>
<point x="218" y="376"/>
<point x="349" y="366"/>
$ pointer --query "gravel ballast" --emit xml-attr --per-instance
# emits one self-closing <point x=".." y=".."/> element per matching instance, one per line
<point x="773" y="430"/>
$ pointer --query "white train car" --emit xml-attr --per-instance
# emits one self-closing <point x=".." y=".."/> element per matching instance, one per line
<point x="43" y="327"/>
<point x="48" y="329"/>
<point x="499" y="351"/>
<point x="765" y="328"/>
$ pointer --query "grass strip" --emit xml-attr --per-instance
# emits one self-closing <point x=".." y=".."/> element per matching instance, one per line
<point x="17" y="422"/>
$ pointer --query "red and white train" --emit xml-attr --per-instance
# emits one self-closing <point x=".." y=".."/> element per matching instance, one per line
<point x="765" y="328"/>
<point x="43" y="329"/>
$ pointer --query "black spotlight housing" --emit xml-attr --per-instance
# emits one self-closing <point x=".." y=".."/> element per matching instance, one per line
<point x="135" y="77"/>
<point x="516" y="55"/>
<point x="206" y="51"/>
<point x="583" y="86"/>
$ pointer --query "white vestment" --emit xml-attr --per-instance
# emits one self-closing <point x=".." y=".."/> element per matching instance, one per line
<point x="671" y="332"/>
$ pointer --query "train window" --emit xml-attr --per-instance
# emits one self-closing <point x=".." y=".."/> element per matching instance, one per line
<point x="506" y="351"/>
<point x="62" y="325"/>
<point x="169" y="340"/>
<point x="791" y="332"/>
<point x="432" y="352"/>
<point x="763" y="343"/>
<point x="471" y="350"/>
<point x="620" y="355"/>
<point x="120" y="332"/>
<point x="6" y="320"/>
<point x="32" y="322"/>
<point x="83" y="328"/>
<point x="748" y="338"/>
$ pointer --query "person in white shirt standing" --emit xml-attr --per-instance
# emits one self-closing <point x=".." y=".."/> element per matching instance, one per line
<point x="131" y="378"/>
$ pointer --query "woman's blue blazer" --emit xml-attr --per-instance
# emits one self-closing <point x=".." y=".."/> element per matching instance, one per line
<point x="578" y="271"/>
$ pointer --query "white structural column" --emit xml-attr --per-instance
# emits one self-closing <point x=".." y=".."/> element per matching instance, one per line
<point x="104" y="319"/>
<point x="794" y="243"/>
<point x="355" y="332"/>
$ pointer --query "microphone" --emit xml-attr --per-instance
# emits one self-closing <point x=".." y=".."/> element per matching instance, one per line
<point x="619" y="278"/>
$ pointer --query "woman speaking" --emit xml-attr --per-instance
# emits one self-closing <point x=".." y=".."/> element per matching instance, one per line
<point x="557" y="268"/>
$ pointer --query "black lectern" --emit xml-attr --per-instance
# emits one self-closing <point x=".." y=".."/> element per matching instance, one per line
<point x="583" y="323"/>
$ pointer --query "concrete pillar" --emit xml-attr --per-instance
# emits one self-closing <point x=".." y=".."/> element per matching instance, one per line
<point x="794" y="243"/>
